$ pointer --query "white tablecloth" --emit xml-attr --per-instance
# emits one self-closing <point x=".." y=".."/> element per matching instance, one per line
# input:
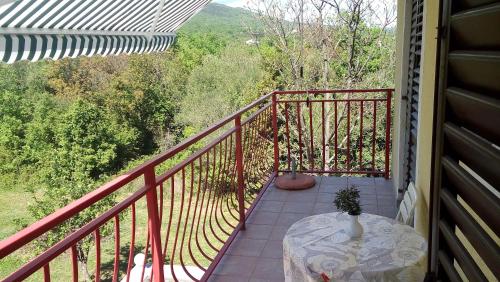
<point x="387" y="250"/>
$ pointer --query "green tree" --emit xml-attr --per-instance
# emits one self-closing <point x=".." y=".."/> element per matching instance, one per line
<point x="87" y="149"/>
<point x="221" y="85"/>
<point x="191" y="49"/>
<point x="13" y="117"/>
<point x="145" y="96"/>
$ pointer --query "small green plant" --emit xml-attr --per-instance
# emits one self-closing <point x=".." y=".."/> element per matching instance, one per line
<point x="347" y="200"/>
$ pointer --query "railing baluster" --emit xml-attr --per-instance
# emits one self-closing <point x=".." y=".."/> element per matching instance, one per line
<point x="388" y="133"/>
<point x="311" y="136"/>
<point x="178" y="226"/>
<point x="146" y="248"/>
<point x="361" y="137"/>
<point x="154" y="222"/>
<point x="46" y="273"/>
<point x="161" y="202"/>
<point x="172" y="201"/>
<point x="201" y="208"/>
<point x="336" y="136"/>
<point x="204" y="225"/>
<point x="250" y="162"/>
<point x="132" y="243"/>
<point x="275" y="132"/>
<point x="233" y="178"/>
<point x="223" y="180"/>
<point x="97" y="238"/>
<point x="218" y="194"/>
<point x="213" y="192"/>
<point x="323" y="140"/>
<point x="211" y="195"/>
<point x="287" y="132"/>
<point x="299" y="129"/>
<point x="74" y="264"/>
<point x="240" y="164"/>
<point x="258" y="124"/>
<point x="222" y="185"/>
<point x="248" y="165"/>
<point x="348" y="135"/>
<point x="193" y="218"/>
<point x="116" y="263"/>
<point x="374" y="133"/>
<point x="246" y="131"/>
<point x="185" y="227"/>
<point x="203" y="187"/>
<point x="264" y="126"/>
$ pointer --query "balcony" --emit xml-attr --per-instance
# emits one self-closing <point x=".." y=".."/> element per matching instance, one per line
<point x="256" y="254"/>
<point x="216" y="214"/>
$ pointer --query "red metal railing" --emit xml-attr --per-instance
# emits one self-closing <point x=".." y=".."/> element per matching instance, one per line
<point x="185" y="216"/>
<point x="334" y="131"/>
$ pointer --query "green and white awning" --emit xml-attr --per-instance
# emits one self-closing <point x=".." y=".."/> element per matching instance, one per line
<point x="40" y="29"/>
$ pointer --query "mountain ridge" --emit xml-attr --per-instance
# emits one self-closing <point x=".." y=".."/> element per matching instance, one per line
<point x="221" y="19"/>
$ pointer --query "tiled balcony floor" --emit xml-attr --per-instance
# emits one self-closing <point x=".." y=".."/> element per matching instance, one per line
<point x="256" y="254"/>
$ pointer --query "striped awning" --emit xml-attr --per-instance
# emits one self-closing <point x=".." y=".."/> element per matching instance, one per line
<point x="39" y="29"/>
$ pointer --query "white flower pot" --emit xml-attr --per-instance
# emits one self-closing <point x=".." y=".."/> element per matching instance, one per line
<point x="355" y="228"/>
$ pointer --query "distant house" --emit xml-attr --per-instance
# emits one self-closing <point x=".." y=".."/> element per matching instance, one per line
<point x="252" y="41"/>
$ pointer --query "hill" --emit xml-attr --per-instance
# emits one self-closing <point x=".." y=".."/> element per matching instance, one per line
<point x="222" y="20"/>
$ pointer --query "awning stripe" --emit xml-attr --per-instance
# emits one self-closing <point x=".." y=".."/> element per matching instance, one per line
<point x="84" y="13"/>
<point x="187" y="10"/>
<point x="173" y="6"/>
<point x="122" y="8"/>
<point x="33" y="48"/>
<point x="42" y="29"/>
<point x="118" y="19"/>
<point x="42" y="14"/>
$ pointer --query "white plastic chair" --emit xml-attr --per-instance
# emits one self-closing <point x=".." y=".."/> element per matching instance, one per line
<point x="406" y="211"/>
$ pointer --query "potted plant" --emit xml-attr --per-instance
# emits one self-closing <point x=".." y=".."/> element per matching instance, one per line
<point x="347" y="200"/>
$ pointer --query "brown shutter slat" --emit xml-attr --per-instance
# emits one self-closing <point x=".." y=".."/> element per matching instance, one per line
<point x="465" y="26"/>
<point x="476" y="112"/>
<point x="445" y="261"/>
<point x="481" y="242"/>
<point x="461" y="5"/>
<point x="476" y="71"/>
<point x="484" y="203"/>
<point x="476" y="153"/>
<point x="461" y="255"/>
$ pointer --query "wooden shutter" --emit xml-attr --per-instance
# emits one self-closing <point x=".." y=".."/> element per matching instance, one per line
<point x="466" y="171"/>
<point x="412" y="90"/>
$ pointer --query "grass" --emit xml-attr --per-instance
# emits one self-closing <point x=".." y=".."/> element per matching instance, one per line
<point x="14" y="205"/>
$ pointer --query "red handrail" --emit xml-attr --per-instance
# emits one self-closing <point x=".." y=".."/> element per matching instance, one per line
<point x="328" y="91"/>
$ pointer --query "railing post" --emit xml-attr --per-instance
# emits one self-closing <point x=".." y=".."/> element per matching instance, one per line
<point x="275" y="133"/>
<point x="388" y="133"/>
<point x="239" y="171"/>
<point x="154" y="224"/>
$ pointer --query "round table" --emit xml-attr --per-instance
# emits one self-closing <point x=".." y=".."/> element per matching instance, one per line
<point x="317" y="248"/>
